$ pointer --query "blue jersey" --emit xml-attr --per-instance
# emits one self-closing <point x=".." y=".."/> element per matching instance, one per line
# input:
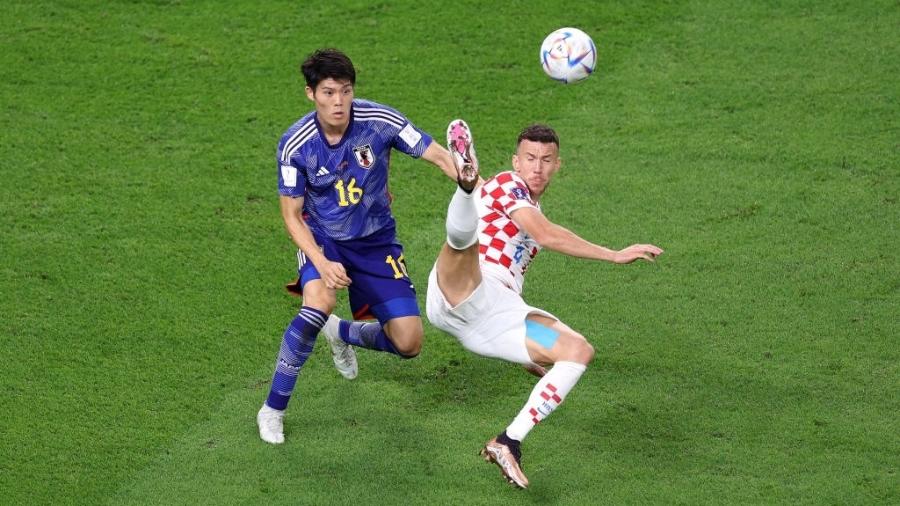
<point x="345" y="186"/>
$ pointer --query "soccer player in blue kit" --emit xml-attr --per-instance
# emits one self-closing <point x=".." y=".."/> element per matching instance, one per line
<point x="333" y="185"/>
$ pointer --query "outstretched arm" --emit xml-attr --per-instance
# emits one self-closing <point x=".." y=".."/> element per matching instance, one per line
<point x="557" y="238"/>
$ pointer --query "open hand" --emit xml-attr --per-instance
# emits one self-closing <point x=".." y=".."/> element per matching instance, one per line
<point x="634" y="252"/>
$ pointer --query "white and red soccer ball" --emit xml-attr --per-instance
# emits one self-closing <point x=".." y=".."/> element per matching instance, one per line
<point x="568" y="55"/>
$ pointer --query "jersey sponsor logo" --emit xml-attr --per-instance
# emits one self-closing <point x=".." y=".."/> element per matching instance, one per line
<point x="519" y="194"/>
<point x="364" y="156"/>
<point x="322" y="172"/>
<point x="410" y="135"/>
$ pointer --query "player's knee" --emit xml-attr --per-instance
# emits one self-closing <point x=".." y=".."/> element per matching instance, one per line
<point x="409" y="351"/>
<point x="406" y="336"/>
<point x="323" y="300"/>
<point x="588" y="353"/>
<point x="581" y="352"/>
<point x="406" y="355"/>
<point x="322" y="306"/>
<point x="410" y="346"/>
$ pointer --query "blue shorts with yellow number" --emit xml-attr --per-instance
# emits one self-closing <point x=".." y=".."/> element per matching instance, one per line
<point x="380" y="286"/>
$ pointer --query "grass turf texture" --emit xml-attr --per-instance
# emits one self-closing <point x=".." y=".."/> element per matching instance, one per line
<point x="142" y="254"/>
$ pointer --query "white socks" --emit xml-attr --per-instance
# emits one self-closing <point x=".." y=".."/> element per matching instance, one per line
<point x="462" y="220"/>
<point x="546" y="396"/>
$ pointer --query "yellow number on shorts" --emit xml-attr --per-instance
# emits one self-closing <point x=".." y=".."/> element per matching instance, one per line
<point x="398" y="265"/>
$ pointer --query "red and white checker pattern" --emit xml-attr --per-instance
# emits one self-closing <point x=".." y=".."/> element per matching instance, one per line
<point x="551" y="401"/>
<point x="503" y="247"/>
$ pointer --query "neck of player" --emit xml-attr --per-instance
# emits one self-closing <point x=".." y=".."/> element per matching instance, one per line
<point x="333" y="131"/>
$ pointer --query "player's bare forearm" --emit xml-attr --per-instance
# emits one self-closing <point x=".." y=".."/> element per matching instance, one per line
<point x="567" y="242"/>
<point x="562" y="240"/>
<point x="437" y="155"/>
<point x="298" y="230"/>
<point x="557" y="238"/>
<point x="332" y="274"/>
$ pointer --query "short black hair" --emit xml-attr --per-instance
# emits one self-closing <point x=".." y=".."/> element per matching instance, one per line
<point x="327" y="63"/>
<point x="538" y="133"/>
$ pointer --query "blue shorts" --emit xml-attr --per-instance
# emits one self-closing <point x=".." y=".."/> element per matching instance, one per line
<point x="380" y="286"/>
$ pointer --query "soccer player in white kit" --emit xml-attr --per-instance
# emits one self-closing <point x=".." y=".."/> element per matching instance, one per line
<point x="474" y="290"/>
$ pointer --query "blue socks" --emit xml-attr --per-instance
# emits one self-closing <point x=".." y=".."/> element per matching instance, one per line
<point x="297" y="344"/>
<point x="367" y="335"/>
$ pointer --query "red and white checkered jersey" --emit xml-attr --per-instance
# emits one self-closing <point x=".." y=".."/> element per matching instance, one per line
<point x="505" y="250"/>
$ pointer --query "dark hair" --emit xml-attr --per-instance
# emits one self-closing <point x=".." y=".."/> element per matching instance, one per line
<point x="327" y="63"/>
<point x="538" y="133"/>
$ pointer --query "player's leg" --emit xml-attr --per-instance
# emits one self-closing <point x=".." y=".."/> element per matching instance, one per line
<point x="406" y="334"/>
<point x="298" y="340"/>
<point x="404" y="342"/>
<point x="551" y="341"/>
<point x="297" y="343"/>
<point x="456" y="267"/>
<point x="381" y="289"/>
<point x="399" y="335"/>
<point x="548" y="342"/>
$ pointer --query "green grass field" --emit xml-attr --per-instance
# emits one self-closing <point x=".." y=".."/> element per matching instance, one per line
<point x="142" y="254"/>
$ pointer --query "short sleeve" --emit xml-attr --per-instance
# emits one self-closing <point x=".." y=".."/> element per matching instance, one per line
<point x="411" y="140"/>
<point x="509" y="193"/>
<point x="290" y="181"/>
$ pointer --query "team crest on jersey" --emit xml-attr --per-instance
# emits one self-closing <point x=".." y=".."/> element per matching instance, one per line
<point x="519" y="193"/>
<point x="364" y="156"/>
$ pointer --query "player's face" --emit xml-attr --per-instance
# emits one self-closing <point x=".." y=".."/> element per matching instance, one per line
<point x="333" y="100"/>
<point x="536" y="163"/>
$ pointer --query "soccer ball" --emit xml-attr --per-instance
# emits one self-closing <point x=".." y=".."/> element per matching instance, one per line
<point x="568" y="55"/>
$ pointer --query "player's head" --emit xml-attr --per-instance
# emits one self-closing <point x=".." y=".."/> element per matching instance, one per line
<point x="327" y="63"/>
<point x="538" y="133"/>
<point x="330" y="78"/>
<point x="537" y="157"/>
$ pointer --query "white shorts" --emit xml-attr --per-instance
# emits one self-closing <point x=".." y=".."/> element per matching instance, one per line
<point x="490" y="322"/>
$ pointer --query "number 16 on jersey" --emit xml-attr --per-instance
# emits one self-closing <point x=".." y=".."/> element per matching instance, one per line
<point x="351" y="195"/>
